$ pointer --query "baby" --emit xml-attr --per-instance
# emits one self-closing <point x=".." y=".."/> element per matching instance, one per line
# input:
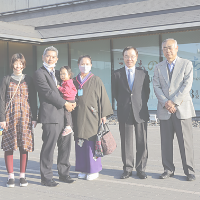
<point x="69" y="92"/>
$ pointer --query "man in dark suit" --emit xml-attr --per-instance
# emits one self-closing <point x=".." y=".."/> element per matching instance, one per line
<point x="130" y="88"/>
<point x="51" y="115"/>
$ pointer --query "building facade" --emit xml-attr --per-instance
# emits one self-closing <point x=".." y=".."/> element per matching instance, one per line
<point x="102" y="29"/>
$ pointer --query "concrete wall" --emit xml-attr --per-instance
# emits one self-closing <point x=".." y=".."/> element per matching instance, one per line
<point x="11" y="5"/>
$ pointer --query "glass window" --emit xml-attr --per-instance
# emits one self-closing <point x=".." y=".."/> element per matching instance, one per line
<point x="148" y="57"/>
<point x="62" y="55"/>
<point x="3" y="59"/>
<point x="189" y="48"/>
<point x="100" y="53"/>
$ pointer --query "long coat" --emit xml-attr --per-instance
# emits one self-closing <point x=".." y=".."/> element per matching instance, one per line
<point x="91" y="107"/>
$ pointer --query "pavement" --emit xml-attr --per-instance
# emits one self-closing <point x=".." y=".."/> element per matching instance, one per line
<point x="108" y="186"/>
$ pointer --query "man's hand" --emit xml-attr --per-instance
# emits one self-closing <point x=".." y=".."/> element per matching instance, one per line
<point x="58" y="86"/>
<point x="103" y="119"/>
<point x="3" y="125"/>
<point x="170" y="106"/>
<point x="172" y="110"/>
<point x="34" y="123"/>
<point x="70" y="106"/>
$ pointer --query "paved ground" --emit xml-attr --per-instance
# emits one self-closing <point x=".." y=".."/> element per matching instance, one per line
<point x="108" y="185"/>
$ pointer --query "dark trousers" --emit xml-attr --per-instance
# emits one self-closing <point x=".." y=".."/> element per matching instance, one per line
<point x="52" y="134"/>
<point x="183" y="130"/>
<point x="68" y="118"/>
<point x="126" y="133"/>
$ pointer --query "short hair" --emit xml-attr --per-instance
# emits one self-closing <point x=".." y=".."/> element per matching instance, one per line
<point x="68" y="70"/>
<point x="51" y="48"/>
<point x="128" y="48"/>
<point x="16" y="57"/>
<point x="85" y="56"/>
<point x="176" y="44"/>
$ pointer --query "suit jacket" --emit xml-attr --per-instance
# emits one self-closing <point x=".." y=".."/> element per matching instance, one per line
<point x="136" y="99"/>
<point x="51" y="103"/>
<point x="177" y="91"/>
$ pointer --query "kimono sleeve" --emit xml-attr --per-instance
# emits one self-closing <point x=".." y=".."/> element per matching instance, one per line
<point x="105" y="105"/>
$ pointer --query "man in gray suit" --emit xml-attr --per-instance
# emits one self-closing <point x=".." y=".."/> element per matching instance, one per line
<point x="172" y="84"/>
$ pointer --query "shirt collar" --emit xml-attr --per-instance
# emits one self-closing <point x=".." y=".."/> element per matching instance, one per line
<point x="49" y="70"/>
<point x="173" y="63"/>
<point x="133" y="68"/>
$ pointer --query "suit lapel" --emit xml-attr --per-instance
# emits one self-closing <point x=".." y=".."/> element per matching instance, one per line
<point x="124" y="78"/>
<point x="176" y="70"/>
<point x="138" y="78"/>
<point x="49" y="76"/>
<point x="164" y="72"/>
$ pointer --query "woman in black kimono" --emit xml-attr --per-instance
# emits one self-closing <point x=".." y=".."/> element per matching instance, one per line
<point x="93" y="106"/>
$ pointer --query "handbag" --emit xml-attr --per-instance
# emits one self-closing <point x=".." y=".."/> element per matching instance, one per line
<point x="107" y="140"/>
<point x="98" y="146"/>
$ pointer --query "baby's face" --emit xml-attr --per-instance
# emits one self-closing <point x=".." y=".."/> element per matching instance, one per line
<point x="64" y="75"/>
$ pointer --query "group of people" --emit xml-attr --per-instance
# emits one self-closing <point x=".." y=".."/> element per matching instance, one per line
<point x="172" y="83"/>
<point x="78" y="106"/>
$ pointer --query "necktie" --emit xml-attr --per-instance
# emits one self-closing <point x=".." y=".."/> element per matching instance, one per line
<point x="53" y="77"/>
<point x="130" y="79"/>
<point x="171" y="67"/>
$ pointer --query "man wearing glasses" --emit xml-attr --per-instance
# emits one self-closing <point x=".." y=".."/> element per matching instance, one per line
<point x="172" y="84"/>
<point x="130" y="88"/>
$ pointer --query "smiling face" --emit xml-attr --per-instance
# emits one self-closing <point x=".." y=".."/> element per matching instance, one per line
<point x="130" y="58"/>
<point x="170" y="50"/>
<point x="18" y="67"/>
<point x="50" y="57"/>
<point x="64" y="75"/>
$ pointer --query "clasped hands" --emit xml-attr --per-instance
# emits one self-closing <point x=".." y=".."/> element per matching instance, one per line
<point x="170" y="106"/>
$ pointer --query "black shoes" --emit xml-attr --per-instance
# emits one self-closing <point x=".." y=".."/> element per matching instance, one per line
<point x="126" y="175"/>
<point x="50" y="183"/>
<point x="141" y="174"/>
<point x="23" y="182"/>
<point x="191" y="177"/>
<point x="66" y="179"/>
<point x="11" y="183"/>
<point x="166" y="174"/>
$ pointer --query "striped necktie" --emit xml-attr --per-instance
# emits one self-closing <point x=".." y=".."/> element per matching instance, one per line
<point x="53" y="77"/>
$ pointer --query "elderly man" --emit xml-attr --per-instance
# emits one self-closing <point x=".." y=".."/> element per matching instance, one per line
<point x="172" y="84"/>
<point x="51" y="115"/>
<point x="130" y="88"/>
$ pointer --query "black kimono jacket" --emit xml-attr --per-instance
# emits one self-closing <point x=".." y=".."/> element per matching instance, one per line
<point x="91" y="107"/>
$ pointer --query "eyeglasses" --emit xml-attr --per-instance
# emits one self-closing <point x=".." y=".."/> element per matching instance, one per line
<point x="167" y="48"/>
<point x="129" y="57"/>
